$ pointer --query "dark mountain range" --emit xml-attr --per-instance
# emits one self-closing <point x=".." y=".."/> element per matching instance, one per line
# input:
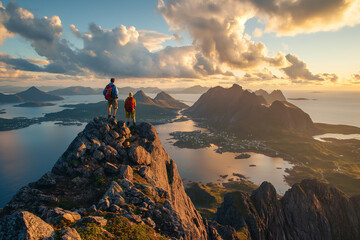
<point x="245" y="112"/>
<point x="162" y="99"/>
<point x="275" y="95"/>
<point x="77" y="90"/>
<point x="10" y="98"/>
<point x="101" y="187"/>
<point x="35" y="95"/>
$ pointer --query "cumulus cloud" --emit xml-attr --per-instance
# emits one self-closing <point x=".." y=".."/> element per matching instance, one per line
<point x="298" y="70"/>
<point x="152" y="40"/>
<point x="20" y="21"/>
<point x="218" y="30"/>
<point x="304" y="16"/>
<point x="264" y="75"/>
<point x="4" y="33"/>
<point x="121" y="51"/>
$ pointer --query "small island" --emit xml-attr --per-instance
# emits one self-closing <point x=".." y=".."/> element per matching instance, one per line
<point x="35" y="104"/>
<point x="243" y="156"/>
<point x="302" y="99"/>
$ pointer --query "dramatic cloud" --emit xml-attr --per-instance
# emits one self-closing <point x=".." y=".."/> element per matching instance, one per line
<point x="4" y="33"/>
<point x="121" y="51"/>
<point x="152" y="40"/>
<point x="218" y="30"/>
<point x="21" y="21"/>
<point x="298" y="71"/>
<point x="304" y="16"/>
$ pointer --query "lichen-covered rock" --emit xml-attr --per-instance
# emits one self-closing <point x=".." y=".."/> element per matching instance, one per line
<point x="126" y="172"/>
<point x="69" y="234"/>
<point x="24" y="225"/>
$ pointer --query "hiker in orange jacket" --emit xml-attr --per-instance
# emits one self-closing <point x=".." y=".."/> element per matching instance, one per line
<point x="129" y="107"/>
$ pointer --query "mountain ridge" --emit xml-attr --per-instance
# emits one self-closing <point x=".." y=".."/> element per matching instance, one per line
<point x="246" y="112"/>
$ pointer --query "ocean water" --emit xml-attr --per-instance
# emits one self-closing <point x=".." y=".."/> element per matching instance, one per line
<point x="26" y="154"/>
<point x="329" y="106"/>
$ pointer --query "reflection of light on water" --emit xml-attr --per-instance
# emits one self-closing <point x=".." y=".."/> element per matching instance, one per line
<point x="205" y="165"/>
<point x="26" y="154"/>
<point x="337" y="136"/>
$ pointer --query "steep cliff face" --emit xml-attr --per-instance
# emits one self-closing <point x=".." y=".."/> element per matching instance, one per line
<point x="109" y="169"/>
<point x="309" y="210"/>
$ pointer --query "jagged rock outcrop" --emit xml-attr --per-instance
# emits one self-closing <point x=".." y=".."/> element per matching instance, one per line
<point x="309" y="210"/>
<point x="24" y="225"/>
<point x="100" y="174"/>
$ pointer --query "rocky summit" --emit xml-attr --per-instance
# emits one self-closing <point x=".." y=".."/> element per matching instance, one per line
<point x="119" y="183"/>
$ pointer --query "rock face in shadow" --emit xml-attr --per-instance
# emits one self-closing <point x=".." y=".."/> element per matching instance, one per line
<point x="98" y="174"/>
<point x="244" y="112"/>
<point x="309" y="210"/>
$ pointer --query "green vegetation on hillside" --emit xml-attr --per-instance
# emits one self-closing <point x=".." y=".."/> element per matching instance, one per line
<point x="207" y="198"/>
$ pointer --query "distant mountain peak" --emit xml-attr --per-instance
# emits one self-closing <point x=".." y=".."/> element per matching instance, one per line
<point x="235" y="108"/>
<point x="34" y="94"/>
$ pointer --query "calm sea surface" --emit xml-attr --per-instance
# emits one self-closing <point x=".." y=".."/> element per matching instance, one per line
<point x="26" y="154"/>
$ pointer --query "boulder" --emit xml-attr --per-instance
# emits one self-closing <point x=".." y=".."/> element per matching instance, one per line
<point x="126" y="172"/>
<point x="69" y="234"/>
<point x="138" y="155"/>
<point x="58" y="214"/>
<point x="24" y="225"/>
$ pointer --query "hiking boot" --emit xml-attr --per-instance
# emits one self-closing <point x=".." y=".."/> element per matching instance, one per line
<point x="127" y="124"/>
<point x="109" y="117"/>
<point x="114" y="117"/>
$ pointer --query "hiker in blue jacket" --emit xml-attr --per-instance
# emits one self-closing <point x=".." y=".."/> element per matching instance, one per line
<point x="111" y="95"/>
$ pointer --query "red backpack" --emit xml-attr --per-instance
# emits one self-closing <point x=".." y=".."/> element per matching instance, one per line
<point x="108" y="92"/>
<point x="130" y="104"/>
